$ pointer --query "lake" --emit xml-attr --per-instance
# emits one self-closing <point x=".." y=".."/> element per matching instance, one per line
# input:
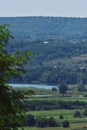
<point x="33" y="85"/>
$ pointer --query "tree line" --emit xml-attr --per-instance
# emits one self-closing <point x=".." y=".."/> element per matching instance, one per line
<point x="53" y="104"/>
<point x="54" y="63"/>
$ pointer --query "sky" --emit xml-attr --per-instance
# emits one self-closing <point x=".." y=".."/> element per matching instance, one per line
<point x="63" y="8"/>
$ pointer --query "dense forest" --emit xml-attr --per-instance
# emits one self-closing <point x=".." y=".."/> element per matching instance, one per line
<point x="59" y="45"/>
<point x="45" y="28"/>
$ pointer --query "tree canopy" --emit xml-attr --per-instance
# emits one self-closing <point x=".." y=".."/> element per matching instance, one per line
<point x="11" y="102"/>
<point x="63" y="88"/>
<point x="59" y="45"/>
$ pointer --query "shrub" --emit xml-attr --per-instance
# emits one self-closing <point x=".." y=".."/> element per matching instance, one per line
<point x="77" y="114"/>
<point x="85" y="95"/>
<point x="41" y="122"/>
<point x="61" y="117"/>
<point x="30" y="120"/>
<point x="65" y="124"/>
<point x="46" y="122"/>
<point x="85" y="112"/>
<point x="54" y="89"/>
<point x="52" y="122"/>
<point x="63" y="88"/>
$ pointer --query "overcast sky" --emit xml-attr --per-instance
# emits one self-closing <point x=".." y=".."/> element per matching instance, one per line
<point x="69" y="8"/>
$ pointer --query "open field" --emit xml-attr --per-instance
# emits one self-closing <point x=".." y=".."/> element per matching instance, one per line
<point x="79" y="123"/>
<point x="55" y="113"/>
<point x="75" y="123"/>
<point x="44" y="94"/>
<point x="54" y="128"/>
<point x="65" y="98"/>
<point x="76" y="126"/>
<point x="67" y="114"/>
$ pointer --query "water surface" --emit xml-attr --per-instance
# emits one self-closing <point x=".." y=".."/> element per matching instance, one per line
<point x="33" y="85"/>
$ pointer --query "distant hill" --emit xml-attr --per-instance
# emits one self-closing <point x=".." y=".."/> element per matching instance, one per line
<point x="45" y="28"/>
<point x="59" y="45"/>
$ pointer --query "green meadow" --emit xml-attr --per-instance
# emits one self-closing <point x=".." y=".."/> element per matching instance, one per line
<point x="67" y="114"/>
<point x="75" y="123"/>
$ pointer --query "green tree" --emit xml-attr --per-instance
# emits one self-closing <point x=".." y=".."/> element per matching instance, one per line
<point x="30" y="120"/>
<point x="54" y="89"/>
<point x="11" y="102"/>
<point x="81" y="87"/>
<point x="61" y="117"/>
<point x="65" y="124"/>
<point x="52" y="122"/>
<point x="41" y="122"/>
<point x="85" y="112"/>
<point x="63" y="88"/>
<point x="77" y="114"/>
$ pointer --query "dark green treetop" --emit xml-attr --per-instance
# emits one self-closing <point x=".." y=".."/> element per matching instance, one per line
<point x="63" y="88"/>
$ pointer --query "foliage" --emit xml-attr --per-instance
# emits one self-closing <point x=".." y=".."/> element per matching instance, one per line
<point x="54" y="89"/>
<point x="46" y="122"/>
<point x="59" y="45"/>
<point x="30" y="120"/>
<point x="11" y="102"/>
<point x="59" y="56"/>
<point x="52" y="65"/>
<point x="77" y="114"/>
<point x="63" y="88"/>
<point x="46" y="28"/>
<point x="61" y="116"/>
<point x="85" y="112"/>
<point x="52" y="122"/>
<point x="65" y="123"/>
<point x="81" y="88"/>
<point x="53" y="104"/>
<point x="41" y="122"/>
<point x="30" y="92"/>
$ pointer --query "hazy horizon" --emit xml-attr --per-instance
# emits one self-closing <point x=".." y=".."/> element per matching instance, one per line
<point x="42" y="16"/>
<point x="55" y="8"/>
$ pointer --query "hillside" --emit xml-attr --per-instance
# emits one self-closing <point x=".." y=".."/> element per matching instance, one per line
<point x="59" y="46"/>
<point x="45" y="28"/>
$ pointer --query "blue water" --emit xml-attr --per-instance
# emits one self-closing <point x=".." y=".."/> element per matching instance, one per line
<point x="33" y="85"/>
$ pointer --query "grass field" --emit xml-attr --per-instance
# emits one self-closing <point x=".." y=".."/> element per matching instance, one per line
<point x="43" y="94"/>
<point x="82" y="126"/>
<point x="75" y="98"/>
<point x="75" y="123"/>
<point x="54" y="128"/>
<point x="67" y="114"/>
<point x="54" y="113"/>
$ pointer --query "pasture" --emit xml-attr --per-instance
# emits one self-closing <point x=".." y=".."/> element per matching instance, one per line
<point x="76" y="123"/>
<point x="67" y="115"/>
<point x="81" y="126"/>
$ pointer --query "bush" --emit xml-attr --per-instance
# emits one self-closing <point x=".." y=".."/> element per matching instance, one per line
<point x="30" y="120"/>
<point x="41" y="122"/>
<point x="77" y="114"/>
<point x="81" y="88"/>
<point x="54" y="89"/>
<point x="46" y="122"/>
<point x="63" y="88"/>
<point x="85" y="112"/>
<point x="65" y="124"/>
<point x="52" y="122"/>
<point x="85" y="95"/>
<point x="61" y="117"/>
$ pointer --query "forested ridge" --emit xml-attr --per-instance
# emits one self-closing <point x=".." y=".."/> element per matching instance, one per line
<point x="45" y="28"/>
<point x="59" y="45"/>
